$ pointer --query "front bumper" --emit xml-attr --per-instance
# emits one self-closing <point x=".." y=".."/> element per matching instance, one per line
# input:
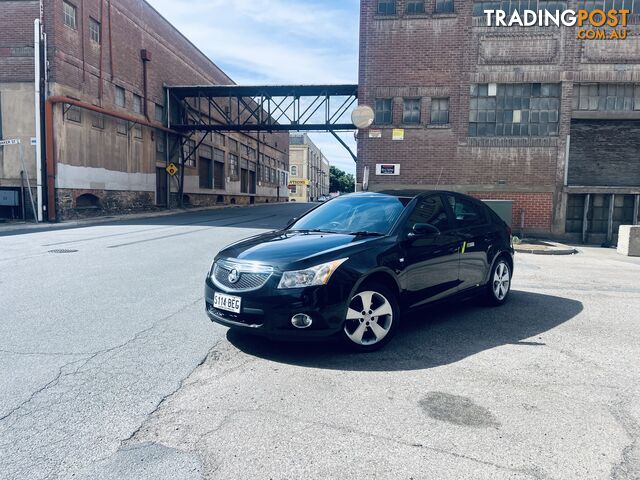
<point x="268" y="310"/>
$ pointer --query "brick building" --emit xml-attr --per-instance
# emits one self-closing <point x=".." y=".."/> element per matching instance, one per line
<point x="97" y="52"/>
<point x="308" y="170"/>
<point x="529" y="114"/>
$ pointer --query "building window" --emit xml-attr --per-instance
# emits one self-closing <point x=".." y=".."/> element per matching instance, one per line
<point x="97" y="120"/>
<point x="440" y="111"/>
<point x="293" y="189"/>
<point x="415" y="8"/>
<point x="219" y="139"/>
<point x="575" y="213"/>
<point x="73" y="113"/>
<point x="122" y="127"/>
<point x="218" y="169"/>
<point x="411" y="111"/>
<point x="509" y="6"/>
<point x="632" y="5"/>
<point x="189" y="152"/>
<point x="294" y="171"/>
<point x="161" y="138"/>
<point x="384" y="111"/>
<point x="233" y="165"/>
<point x="444" y="6"/>
<point x="70" y="15"/>
<point x="528" y="109"/>
<point x="386" y="7"/>
<point x="94" y="30"/>
<point x="121" y="99"/>
<point x="603" y="97"/>
<point x="137" y="103"/>
<point x="159" y="113"/>
<point x="233" y="145"/>
<point x="205" y="168"/>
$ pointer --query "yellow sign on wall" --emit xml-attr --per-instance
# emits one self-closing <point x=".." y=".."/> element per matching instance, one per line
<point x="398" y="134"/>
<point x="172" y="169"/>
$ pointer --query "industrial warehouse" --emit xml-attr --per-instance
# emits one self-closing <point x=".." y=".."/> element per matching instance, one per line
<point x="104" y="66"/>
<point x="530" y="115"/>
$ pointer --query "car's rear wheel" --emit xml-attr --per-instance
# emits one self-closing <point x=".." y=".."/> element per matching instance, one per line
<point x="372" y="318"/>
<point x="500" y="282"/>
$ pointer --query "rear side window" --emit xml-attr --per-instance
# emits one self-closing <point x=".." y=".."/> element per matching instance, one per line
<point x="431" y="210"/>
<point x="467" y="212"/>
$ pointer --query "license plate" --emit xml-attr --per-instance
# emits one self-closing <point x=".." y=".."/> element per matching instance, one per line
<point x="227" y="302"/>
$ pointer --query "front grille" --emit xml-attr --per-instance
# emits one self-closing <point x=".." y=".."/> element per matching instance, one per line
<point x="246" y="280"/>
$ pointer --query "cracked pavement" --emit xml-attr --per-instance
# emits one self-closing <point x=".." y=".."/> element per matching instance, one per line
<point x="109" y="369"/>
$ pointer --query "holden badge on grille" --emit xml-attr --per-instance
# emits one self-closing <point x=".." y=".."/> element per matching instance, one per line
<point x="234" y="276"/>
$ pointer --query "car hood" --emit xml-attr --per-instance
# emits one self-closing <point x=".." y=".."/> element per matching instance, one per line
<point x="287" y="248"/>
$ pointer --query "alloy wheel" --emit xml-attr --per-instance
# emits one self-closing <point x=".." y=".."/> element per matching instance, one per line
<point x="369" y="318"/>
<point x="501" y="281"/>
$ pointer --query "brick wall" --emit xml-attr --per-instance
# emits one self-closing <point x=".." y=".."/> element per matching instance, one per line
<point x="600" y="152"/>
<point x="16" y="40"/>
<point x="537" y="207"/>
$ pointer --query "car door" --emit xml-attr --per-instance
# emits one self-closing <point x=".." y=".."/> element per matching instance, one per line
<point x="473" y="231"/>
<point x="430" y="261"/>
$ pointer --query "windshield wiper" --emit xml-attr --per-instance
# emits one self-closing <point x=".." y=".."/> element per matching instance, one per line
<point x="313" y="230"/>
<point x="365" y="233"/>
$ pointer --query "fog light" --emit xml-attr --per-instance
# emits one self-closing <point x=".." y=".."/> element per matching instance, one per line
<point x="301" y="321"/>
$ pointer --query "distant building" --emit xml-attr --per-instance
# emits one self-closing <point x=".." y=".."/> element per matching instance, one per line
<point x="532" y="115"/>
<point x="119" y="55"/>
<point x="308" y="170"/>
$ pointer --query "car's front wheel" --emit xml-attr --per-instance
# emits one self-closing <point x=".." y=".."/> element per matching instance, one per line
<point x="372" y="318"/>
<point x="500" y="283"/>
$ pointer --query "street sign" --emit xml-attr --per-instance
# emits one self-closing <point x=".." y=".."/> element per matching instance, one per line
<point x="172" y="169"/>
<point x="12" y="141"/>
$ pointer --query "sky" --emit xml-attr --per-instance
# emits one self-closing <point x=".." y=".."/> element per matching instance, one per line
<point x="277" y="42"/>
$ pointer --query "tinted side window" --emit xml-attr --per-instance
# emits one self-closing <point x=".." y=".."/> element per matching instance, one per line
<point x="431" y="210"/>
<point x="467" y="213"/>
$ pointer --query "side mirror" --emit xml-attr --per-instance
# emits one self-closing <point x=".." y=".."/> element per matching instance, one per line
<point x="424" y="230"/>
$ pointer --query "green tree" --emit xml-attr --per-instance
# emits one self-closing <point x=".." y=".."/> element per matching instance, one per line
<point x="340" y="181"/>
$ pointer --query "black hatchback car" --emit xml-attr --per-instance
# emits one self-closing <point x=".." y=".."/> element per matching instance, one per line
<point x="351" y="266"/>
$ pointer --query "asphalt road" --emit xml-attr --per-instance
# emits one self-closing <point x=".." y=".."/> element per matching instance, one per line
<point x="109" y="369"/>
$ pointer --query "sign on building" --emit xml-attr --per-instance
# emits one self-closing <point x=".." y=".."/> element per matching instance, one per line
<point x="388" y="169"/>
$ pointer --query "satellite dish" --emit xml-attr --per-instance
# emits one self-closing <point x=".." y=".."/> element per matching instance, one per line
<point x="362" y="116"/>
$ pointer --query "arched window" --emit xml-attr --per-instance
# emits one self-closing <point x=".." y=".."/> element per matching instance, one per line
<point x="87" y="200"/>
<point x="294" y="170"/>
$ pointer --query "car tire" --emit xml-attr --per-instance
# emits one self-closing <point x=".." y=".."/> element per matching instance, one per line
<point x="499" y="285"/>
<point x="364" y="331"/>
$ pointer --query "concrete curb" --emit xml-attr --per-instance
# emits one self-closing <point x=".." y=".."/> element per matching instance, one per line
<point x="85" y="222"/>
<point x="553" y="249"/>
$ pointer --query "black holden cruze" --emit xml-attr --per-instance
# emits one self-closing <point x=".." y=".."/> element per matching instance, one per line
<point x="350" y="267"/>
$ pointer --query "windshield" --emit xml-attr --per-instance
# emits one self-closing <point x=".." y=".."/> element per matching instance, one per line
<point x="354" y="214"/>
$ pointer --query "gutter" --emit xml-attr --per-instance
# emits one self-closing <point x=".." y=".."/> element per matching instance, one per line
<point x="50" y="151"/>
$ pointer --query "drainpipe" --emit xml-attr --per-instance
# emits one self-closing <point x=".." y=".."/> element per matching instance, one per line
<point x="145" y="55"/>
<point x="50" y="154"/>
<point x="37" y="38"/>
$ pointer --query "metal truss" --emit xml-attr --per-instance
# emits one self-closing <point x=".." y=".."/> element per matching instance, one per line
<point x="261" y="108"/>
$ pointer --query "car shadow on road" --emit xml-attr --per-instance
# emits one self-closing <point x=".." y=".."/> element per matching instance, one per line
<point x="432" y="337"/>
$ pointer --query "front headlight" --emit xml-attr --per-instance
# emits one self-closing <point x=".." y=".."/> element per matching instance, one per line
<point x="310" y="277"/>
